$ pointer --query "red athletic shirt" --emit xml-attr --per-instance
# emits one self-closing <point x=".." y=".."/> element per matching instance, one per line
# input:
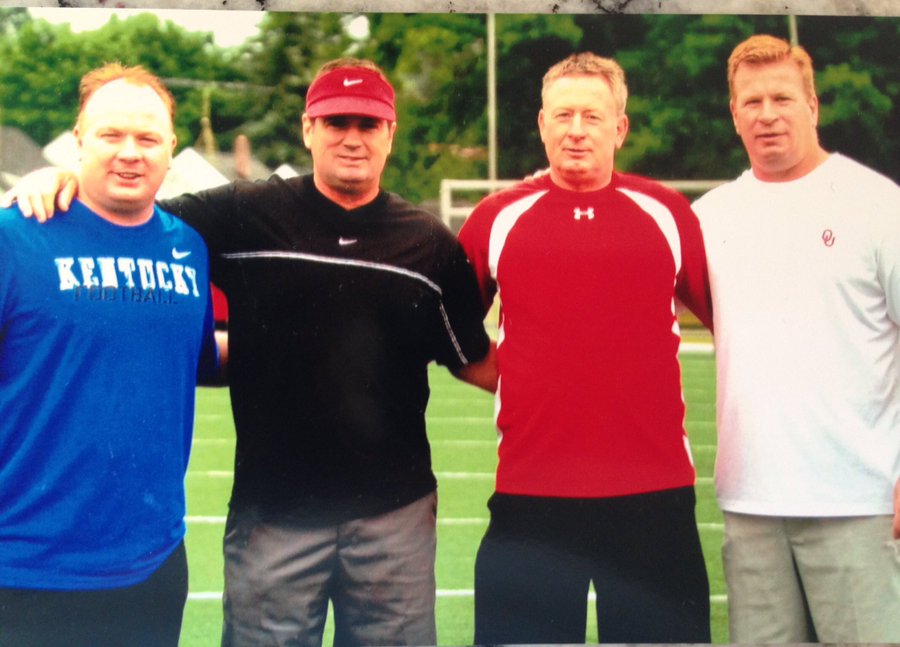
<point x="590" y="401"/>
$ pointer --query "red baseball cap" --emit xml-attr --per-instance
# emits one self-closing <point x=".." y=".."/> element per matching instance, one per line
<point x="351" y="91"/>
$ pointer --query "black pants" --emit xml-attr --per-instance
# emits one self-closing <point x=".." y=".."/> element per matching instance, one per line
<point x="642" y="552"/>
<point x="144" y="615"/>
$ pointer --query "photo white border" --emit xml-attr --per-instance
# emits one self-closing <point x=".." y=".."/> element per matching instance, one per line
<point x="796" y="7"/>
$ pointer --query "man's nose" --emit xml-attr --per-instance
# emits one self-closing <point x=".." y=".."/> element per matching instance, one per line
<point x="768" y="110"/>
<point x="128" y="149"/>
<point x="352" y="136"/>
<point x="576" y="126"/>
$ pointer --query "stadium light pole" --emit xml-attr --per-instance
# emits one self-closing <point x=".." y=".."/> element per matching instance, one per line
<point x="792" y="30"/>
<point x="492" y="95"/>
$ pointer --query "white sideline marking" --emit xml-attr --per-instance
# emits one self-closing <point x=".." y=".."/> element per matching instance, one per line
<point x="205" y="520"/>
<point x="473" y="476"/>
<point x="698" y="347"/>
<point x="204" y="596"/>
<point x="450" y="476"/>
<point x="450" y="442"/>
<point x="437" y="443"/>
<point x="466" y="476"/>
<point x="213" y="520"/>
<point x="213" y="416"/>
<point x="473" y="443"/>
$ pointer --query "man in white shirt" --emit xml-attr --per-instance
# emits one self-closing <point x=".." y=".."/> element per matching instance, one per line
<point x="804" y="260"/>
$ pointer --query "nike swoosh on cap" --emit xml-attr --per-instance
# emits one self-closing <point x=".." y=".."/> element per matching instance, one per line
<point x="346" y="241"/>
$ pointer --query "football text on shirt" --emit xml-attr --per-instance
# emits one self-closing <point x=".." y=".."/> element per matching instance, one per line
<point x="140" y="275"/>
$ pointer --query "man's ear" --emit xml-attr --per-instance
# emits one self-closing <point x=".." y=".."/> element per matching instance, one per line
<point x="813" y="103"/>
<point x="622" y="125"/>
<point x="392" y="129"/>
<point x="78" y="143"/>
<point x="306" y="125"/>
<point x="733" y="108"/>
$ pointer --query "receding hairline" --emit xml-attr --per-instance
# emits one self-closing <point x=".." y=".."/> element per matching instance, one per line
<point x="588" y="64"/>
<point x="135" y="75"/>
<point x="764" y="49"/>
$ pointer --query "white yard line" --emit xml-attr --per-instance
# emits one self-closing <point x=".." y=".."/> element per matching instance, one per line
<point x="696" y="347"/>
<point x="217" y="520"/>
<point x="206" y="596"/>
<point x="450" y="476"/>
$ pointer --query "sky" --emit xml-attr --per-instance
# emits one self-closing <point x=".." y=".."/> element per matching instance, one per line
<point x="229" y="28"/>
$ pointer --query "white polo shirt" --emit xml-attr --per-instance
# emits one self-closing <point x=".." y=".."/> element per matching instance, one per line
<point x="805" y="279"/>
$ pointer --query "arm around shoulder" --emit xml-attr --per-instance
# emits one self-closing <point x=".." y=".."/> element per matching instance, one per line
<point x="39" y="192"/>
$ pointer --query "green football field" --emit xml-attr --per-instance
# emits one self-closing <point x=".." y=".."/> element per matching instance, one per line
<point x="463" y="440"/>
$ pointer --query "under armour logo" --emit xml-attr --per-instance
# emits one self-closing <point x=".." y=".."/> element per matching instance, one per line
<point x="580" y="213"/>
<point x="828" y="237"/>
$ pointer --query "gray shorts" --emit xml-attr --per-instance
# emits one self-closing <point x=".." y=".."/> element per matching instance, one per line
<point x="378" y="573"/>
<point x="797" y="580"/>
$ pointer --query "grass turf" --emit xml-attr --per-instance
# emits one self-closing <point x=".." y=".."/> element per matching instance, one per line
<point x="461" y="430"/>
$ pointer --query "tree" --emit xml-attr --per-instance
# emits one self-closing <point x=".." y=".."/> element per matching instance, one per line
<point x="527" y="45"/>
<point x="438" y="63"/>
<point x="43" y="64"/>
<point x="678" y="101"/>
<point x="39" y="76"/>
<point x="858" y="82"/>
<point x="676" y="67"/>
<point x="284" y="56"/>
<point x="11" y="20"/>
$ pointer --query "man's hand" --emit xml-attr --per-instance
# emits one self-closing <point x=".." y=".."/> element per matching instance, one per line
<point x="39" y="192"/>
<point x="484" y="373"/>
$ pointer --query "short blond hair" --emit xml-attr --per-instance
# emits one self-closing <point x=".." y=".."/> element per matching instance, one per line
<point x="761" y="49"/>
<point x="135" y="75"/>
<point x="351" y="62"/>
<point x="589" y="64"/>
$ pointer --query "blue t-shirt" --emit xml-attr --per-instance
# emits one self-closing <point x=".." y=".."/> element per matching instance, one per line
<point x="103" y="330"/>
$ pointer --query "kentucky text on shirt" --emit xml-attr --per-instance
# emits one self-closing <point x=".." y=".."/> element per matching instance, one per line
<point x="131" y="273"/>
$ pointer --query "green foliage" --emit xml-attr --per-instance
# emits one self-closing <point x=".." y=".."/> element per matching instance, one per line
<point x="43" y="65"/>
<point x="678" y="100"/>
<point x="284" y="56"/>
<point x="437" y="65"/>
<point x="526" y="47"/>
<point x="40" y="91"/>
<point x="678" y="108"/>
<point x="858" y="82"/>
<point x="12" y="19"/>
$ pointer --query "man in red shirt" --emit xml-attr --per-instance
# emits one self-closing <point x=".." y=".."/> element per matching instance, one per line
<point x="595" y="477"/>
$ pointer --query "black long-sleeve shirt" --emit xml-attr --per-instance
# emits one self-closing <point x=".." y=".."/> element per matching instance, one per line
<point x="334" y="316"/>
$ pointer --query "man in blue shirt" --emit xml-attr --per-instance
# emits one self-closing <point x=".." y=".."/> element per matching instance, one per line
<point x="105" y="325"/>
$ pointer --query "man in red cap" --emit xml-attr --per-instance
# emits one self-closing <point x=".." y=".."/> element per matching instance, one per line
<point x="339" y="294"/>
